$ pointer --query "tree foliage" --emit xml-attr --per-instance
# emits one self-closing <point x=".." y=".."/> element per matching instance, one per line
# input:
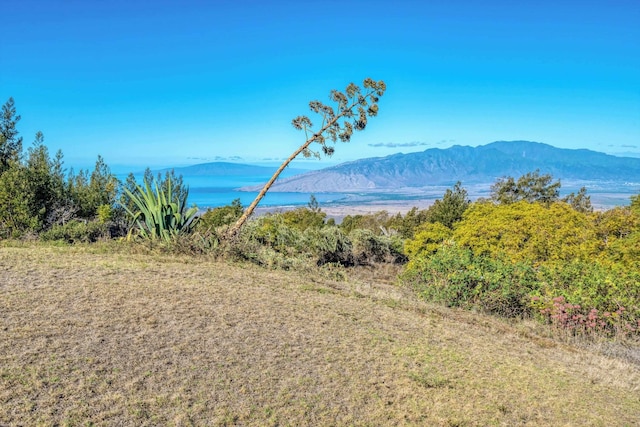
<point x="407" y="224"/>
<point x="377" y="222"/>
<point x="304" y="218"/>
<point x="16" y="203"/>
<point x="36" y="193"/>
<point x="29" y="191"/>
<point x="90" y="191"/>
<point x="531" y="187"/>
<point x="10" y="142"/>
<point x="635" y="204"/>
<point x="527" y="231"/>
<point x="541" y="258"/>
<point x="427" y="239"/>
<point x="449" y="210"/>
<point x="580" y="202"/>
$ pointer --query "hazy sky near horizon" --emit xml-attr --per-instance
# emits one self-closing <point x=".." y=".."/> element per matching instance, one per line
<point x="171" y="83"/>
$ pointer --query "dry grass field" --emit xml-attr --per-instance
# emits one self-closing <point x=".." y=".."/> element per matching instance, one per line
<point x="95" y="336"/>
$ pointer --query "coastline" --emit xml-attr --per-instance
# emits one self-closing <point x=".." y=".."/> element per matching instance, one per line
<point x="338" y="212"/>
<point x="602" y="199"/>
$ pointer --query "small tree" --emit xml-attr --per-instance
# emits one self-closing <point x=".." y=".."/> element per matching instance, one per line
<point x="28" y="192"/>
<point x="10" y="142"/>
<point x="450" y="208"/>
<point x="89" y="192"/>
<point x="531" y="187"/>
<point x="635" y="204"/>
<point x="354" y="106"/>
<point x="580" y="202"/>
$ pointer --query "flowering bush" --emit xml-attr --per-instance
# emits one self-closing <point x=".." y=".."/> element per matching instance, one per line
<point x="572" y="317"/>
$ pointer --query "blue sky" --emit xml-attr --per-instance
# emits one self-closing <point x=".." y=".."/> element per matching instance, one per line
<point x="170" y="83"/>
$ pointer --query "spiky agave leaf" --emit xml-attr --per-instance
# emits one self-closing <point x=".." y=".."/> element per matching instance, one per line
<point x="158" y="215"/>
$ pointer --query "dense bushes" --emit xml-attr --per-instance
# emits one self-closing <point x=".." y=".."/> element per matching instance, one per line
<point x="220" y="216"/>
<point x="38" y="197"/>
<point x="525" y="231"/>
<point x="454" y="276"/>
<point x="77" y="231"/>
<point x="541" y="258"/>
<point x="282" y="235"/>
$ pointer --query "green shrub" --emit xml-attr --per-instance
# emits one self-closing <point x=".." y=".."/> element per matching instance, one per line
<point x="377" y="223"/>
<point x="105" y="213"/>
<point x="267" y="242"/>
<point x="329" y="245"/>
<point x="318" y="244"/>
<point x="369" y="248"/>
<point x="303" y="218"/>
<point x="220" y="216"/>
<point x="427" y="239"/>
<point x="272" y="231"/>
<point x="624" y="252"/>
<point x="548" y="258"/>
<point x="592" y="286"/>
<point x="76" y="231"/>
<point x="455" y="277"/>
<point x="528" y="232"/>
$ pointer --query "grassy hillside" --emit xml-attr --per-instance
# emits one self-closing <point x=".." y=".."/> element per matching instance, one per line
<point x="96" y="337"/>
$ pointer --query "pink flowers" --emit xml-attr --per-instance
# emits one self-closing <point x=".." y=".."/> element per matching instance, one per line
<point x="564" y="315"/>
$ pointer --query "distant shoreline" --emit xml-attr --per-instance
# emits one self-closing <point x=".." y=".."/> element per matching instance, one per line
<point x="338" y="212"/>
<point x="600" y="200"/>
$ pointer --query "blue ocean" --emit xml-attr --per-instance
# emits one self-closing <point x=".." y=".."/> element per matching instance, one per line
<point x="214" y="191"/>
<point x="206" y="191"/>
<point x="210" y="192"/>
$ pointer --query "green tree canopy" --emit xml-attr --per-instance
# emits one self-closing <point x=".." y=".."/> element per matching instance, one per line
<point x="531" y="187"/>
<point x="580" y="202"/>
<point x="448" y="210"/>
<point x="10" y="142"/>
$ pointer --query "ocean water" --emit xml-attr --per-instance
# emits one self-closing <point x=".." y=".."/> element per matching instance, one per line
<point x="214" y="191"/>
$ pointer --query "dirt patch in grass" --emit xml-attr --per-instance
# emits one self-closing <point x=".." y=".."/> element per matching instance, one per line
<point x="121" y="339"/>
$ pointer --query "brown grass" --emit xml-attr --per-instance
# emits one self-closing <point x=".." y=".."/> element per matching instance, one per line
<point x="119" y="339"/>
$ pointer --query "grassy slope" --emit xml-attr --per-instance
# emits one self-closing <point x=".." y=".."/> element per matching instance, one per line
<point x="119" y="339"/>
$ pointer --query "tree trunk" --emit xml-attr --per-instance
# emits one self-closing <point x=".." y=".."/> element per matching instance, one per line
<point x="233" y="231"/>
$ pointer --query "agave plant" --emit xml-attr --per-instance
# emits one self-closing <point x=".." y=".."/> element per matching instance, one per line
<point x="160" y="214"/>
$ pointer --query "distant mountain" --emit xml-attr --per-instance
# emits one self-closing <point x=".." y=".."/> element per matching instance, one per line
<point x="483" y="164"/>
<point x="230" y="169"/>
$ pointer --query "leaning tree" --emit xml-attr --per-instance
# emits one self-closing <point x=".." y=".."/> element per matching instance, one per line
<point x="354" y="105"/>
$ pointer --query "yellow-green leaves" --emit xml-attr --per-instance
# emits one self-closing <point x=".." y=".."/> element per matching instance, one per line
<point x="427" y="240"/>
<point x="526" y="231"/>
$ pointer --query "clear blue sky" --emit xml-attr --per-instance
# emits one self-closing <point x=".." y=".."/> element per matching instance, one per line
<point x="183" y="82"/>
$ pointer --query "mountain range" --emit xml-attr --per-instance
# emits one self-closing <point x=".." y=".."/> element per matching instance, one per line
<point x="470" y="165"/>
